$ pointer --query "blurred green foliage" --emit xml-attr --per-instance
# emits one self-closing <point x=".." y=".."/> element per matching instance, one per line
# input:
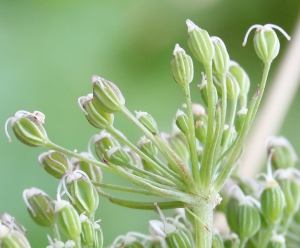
<point x="50" y="49"/>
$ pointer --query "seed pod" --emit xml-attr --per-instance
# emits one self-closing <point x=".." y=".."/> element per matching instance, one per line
<point x="240" y="119"/>
<point x="84" y="194"/>
<point x="233" y="89"/>
<point x="12" y="238"/>
<point x="266" y="42"/>
<point x="147" y="147"/>
<point x="118" y="156"/>
<point x="231" y="214"/>
<point x="148" y="121"/>
<point x="200" y="43"/>
<point x="94" y="114"/>
<point x="272" y="202"/>
<point x="221" y="57"/>
<point x="107" y="95"/>
<point x="178" y="239"/>
<point x="39" y="207"/>
<point x="203" y="92"/>
<point x="181" y="121"/>
<point x="98" y="241"/>
<point x="103" y="142"/>
<point x="28" y="128"/>
<point x="67" y="219"/>
<point x="88" y="234"/>
<point x="182" y="67"/>
<point x="284" y="155"/>
<point x="55" y="163"/>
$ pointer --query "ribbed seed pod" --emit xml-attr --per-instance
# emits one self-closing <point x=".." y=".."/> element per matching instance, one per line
<point x="178" y="239"/>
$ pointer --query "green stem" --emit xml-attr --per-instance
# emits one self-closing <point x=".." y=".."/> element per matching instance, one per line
<point x="163" y="170"/>
<point x="204" y="169"/>
<point x="265" y="235"/>
<point x="141" y="205"/>
<point x="254" y="104"/>
<point x="55" y="232"/>
<point x="242" y="243"/>
<point x="191" y="137"/>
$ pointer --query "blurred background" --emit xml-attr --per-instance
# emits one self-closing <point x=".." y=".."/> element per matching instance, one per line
<point x="50" y="49"/>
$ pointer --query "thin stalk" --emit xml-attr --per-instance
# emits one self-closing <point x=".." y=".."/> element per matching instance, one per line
<point x="210" y="128"/>
<point x="163" y="170"/>
<point x="55" y="231"/>
<point x="122" y="188"/>
<point x="141" y="205"/>
<point x="191" y="137"/>
<point x="265" y="236"/>
<point x="162" y="165"/>
<point x="243" y="242"/>
<point x="224" y="174"/>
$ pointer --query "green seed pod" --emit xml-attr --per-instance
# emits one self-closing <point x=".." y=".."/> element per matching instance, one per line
<point x="266" y="42"/>
<point x="103" y="142"/>
<point x="182" y="67"/>
<point x="28" y="128"/>
<point x="200" y="43"/>
<point x="248" y="220"/>
<point x="55" y="163"/>
<point x="242" y="79"/>
<point x="231" y="214"/>
<point x="148" y="121"/>
<point x="107" y="95"/>
<point x="98" y="240"/>
<point x="12" y="238"/>
<point x="94" y="114"/>
<point x="277" y="241"/>
<point x="284" y="155"/>
<point x="181" y="121"/>
<point x="240" y="119"/>
<point x="272" y="202"/>
<point x="118" y="156"/>
<point x="94" y="172"/>
<point x="83" y="193"/>
<point x="233" y="89"/>
<point x="88" y="233"/>
<point x="201" y="131"/>
<point x="39" y="207"/>
<point x="217" y="240"/>
<point x="147" y="147"/>
<point x="203" y="92"/>
<point x="67" y="219"/>
<point x="232" y="242"/>
<point x="178" y="239"/>
<point x="221" y="57"/>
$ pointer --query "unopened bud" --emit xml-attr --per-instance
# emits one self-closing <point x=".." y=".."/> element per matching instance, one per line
<point x="107" y="95"/>
<point x="118" y="156"/>
<point x="28" y="128"/>
<point x="94" y="114"/>
<point x="12" y="238"/>
<point x="221" y="58"/>
<point x="103" y="142"/>
<point x="88" y="234"/>
<point x="98" y="240"/>
<point x="148" y="121"/>
<point x="181" y="121"/>
<point x="200" y="43"/>
<point x="39" y="207"/>
<point x="266" y="42"/>
<point x="147" y="147"/>
<point x="233" y="89"/>
<point x="240" y="119"/>
<point x="55" y="163"/>
<point x="182" y="66"/>
<point x="203" y="91"/>
<point x="201" y="131"/>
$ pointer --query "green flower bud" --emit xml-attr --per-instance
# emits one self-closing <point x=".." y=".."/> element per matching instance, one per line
<point x="98" y="240"/>
<point x="199" y="113"/>
<point x="231" y="214"/>
<point x="266" y="42"/>
<point x="12" y="223"/>
<point x="201" y="131"/>
<point x="12" y="239"/>
<point x="181" y="121"/>
<point x="28" y="128"/>
<point x="200" y="43"/>
<point x="240" y="119"/>
<point x="182" y="66"/>
<point x="107" y="95"/>
<point x="55" y="163"/>
<point x="277" y="241"/>
<point x="147" y="147"/>
<point x="221" y="57"/>
<point x="232" y="241"/>
<point x="284" y="155"/>
<point x="272" y="202"/>
<point x="39" y="207"/>
<point x="203" y="91"/>
<point x="233" y="89"/>
<point x="103" y="142"/>
<point x="94" y="114"/>
<point x="88" y="234"/>
<point x="242" y="79"/>
<point x="118" y="156"/>
<point x="217" y="240"/>
<point x="82" y="193"/>
<point x="67" y="219"/>
<point x="148" y="121"/>
<point x="93" y="172"/>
